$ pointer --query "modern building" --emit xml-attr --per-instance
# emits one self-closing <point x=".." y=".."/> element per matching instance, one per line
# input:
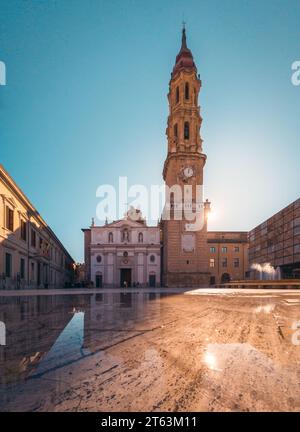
<point x="277" y="241"/>
<point x="126" y="252"/>
<point x="31" y="256"/>
<point x="185" y="255"/>
<point x="228" y="255"/>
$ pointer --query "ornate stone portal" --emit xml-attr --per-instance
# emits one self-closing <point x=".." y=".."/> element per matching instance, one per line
<point x="185" y="254"/>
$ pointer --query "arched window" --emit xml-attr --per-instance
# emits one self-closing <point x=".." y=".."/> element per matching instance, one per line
<point x="176" y="130"/>
<point x="172" y="205"/>
<point x="186" y="91"/>
<point x="110" y="237"/>
<point x="141" y="239"/>
<point x="186" y="130"/>
<point x="177" y="94"/>
<point x="125" y="235"/>
<point x="172" y="200"/>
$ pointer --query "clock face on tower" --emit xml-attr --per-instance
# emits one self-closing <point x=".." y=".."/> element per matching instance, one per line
<point x="188" y="172"/>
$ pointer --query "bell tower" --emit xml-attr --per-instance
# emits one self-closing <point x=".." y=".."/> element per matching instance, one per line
<point x="185" y="255"/>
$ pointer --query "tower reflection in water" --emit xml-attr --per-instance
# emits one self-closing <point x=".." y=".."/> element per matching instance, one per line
<point x="45" y="333"/>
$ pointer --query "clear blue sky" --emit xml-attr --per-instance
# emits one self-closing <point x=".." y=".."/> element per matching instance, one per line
<point x="86" y="102"/>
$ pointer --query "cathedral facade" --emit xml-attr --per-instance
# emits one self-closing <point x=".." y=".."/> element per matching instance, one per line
<point x="123" y="253"/>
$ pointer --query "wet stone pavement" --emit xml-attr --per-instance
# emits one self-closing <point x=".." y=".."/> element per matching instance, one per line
<point x="116" y="350"/>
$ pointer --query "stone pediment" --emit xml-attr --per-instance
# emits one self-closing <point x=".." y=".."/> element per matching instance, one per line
<point x="123" y="223"/>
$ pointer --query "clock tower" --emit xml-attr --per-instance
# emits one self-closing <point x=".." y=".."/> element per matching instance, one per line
<point x="184" y="220"/>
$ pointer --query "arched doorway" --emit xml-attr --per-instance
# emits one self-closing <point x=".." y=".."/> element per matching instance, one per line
<point x="225" y="278"/>
<point x="125" y="277"/>
<point x="152" y="280"/>
<point x="99" y="282"/>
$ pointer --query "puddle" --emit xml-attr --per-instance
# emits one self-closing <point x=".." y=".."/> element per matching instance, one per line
<point x="67" y="348"/>
<point x="48" y="338"/>
<point x="48" y="332"/>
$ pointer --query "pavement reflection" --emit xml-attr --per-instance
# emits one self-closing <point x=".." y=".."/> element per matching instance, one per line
<point x="118" y="350"/>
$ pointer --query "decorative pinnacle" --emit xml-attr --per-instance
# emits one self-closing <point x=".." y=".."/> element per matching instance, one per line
<point x="183" y="39"/>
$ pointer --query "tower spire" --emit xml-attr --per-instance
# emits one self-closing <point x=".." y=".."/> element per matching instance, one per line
<point x="183" y="38"/>
<point x="184" y="59"/>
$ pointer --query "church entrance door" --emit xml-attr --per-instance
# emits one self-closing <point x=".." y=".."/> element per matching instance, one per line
<point x="125" y="277"/>
<point x="152" y="281"/>
<point x="98" y="281"/>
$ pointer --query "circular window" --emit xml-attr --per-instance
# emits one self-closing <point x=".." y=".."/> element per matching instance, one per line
<point x="99" y="258"/>
<point x="152" y="258"/>
<point x="125" y="254"/>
